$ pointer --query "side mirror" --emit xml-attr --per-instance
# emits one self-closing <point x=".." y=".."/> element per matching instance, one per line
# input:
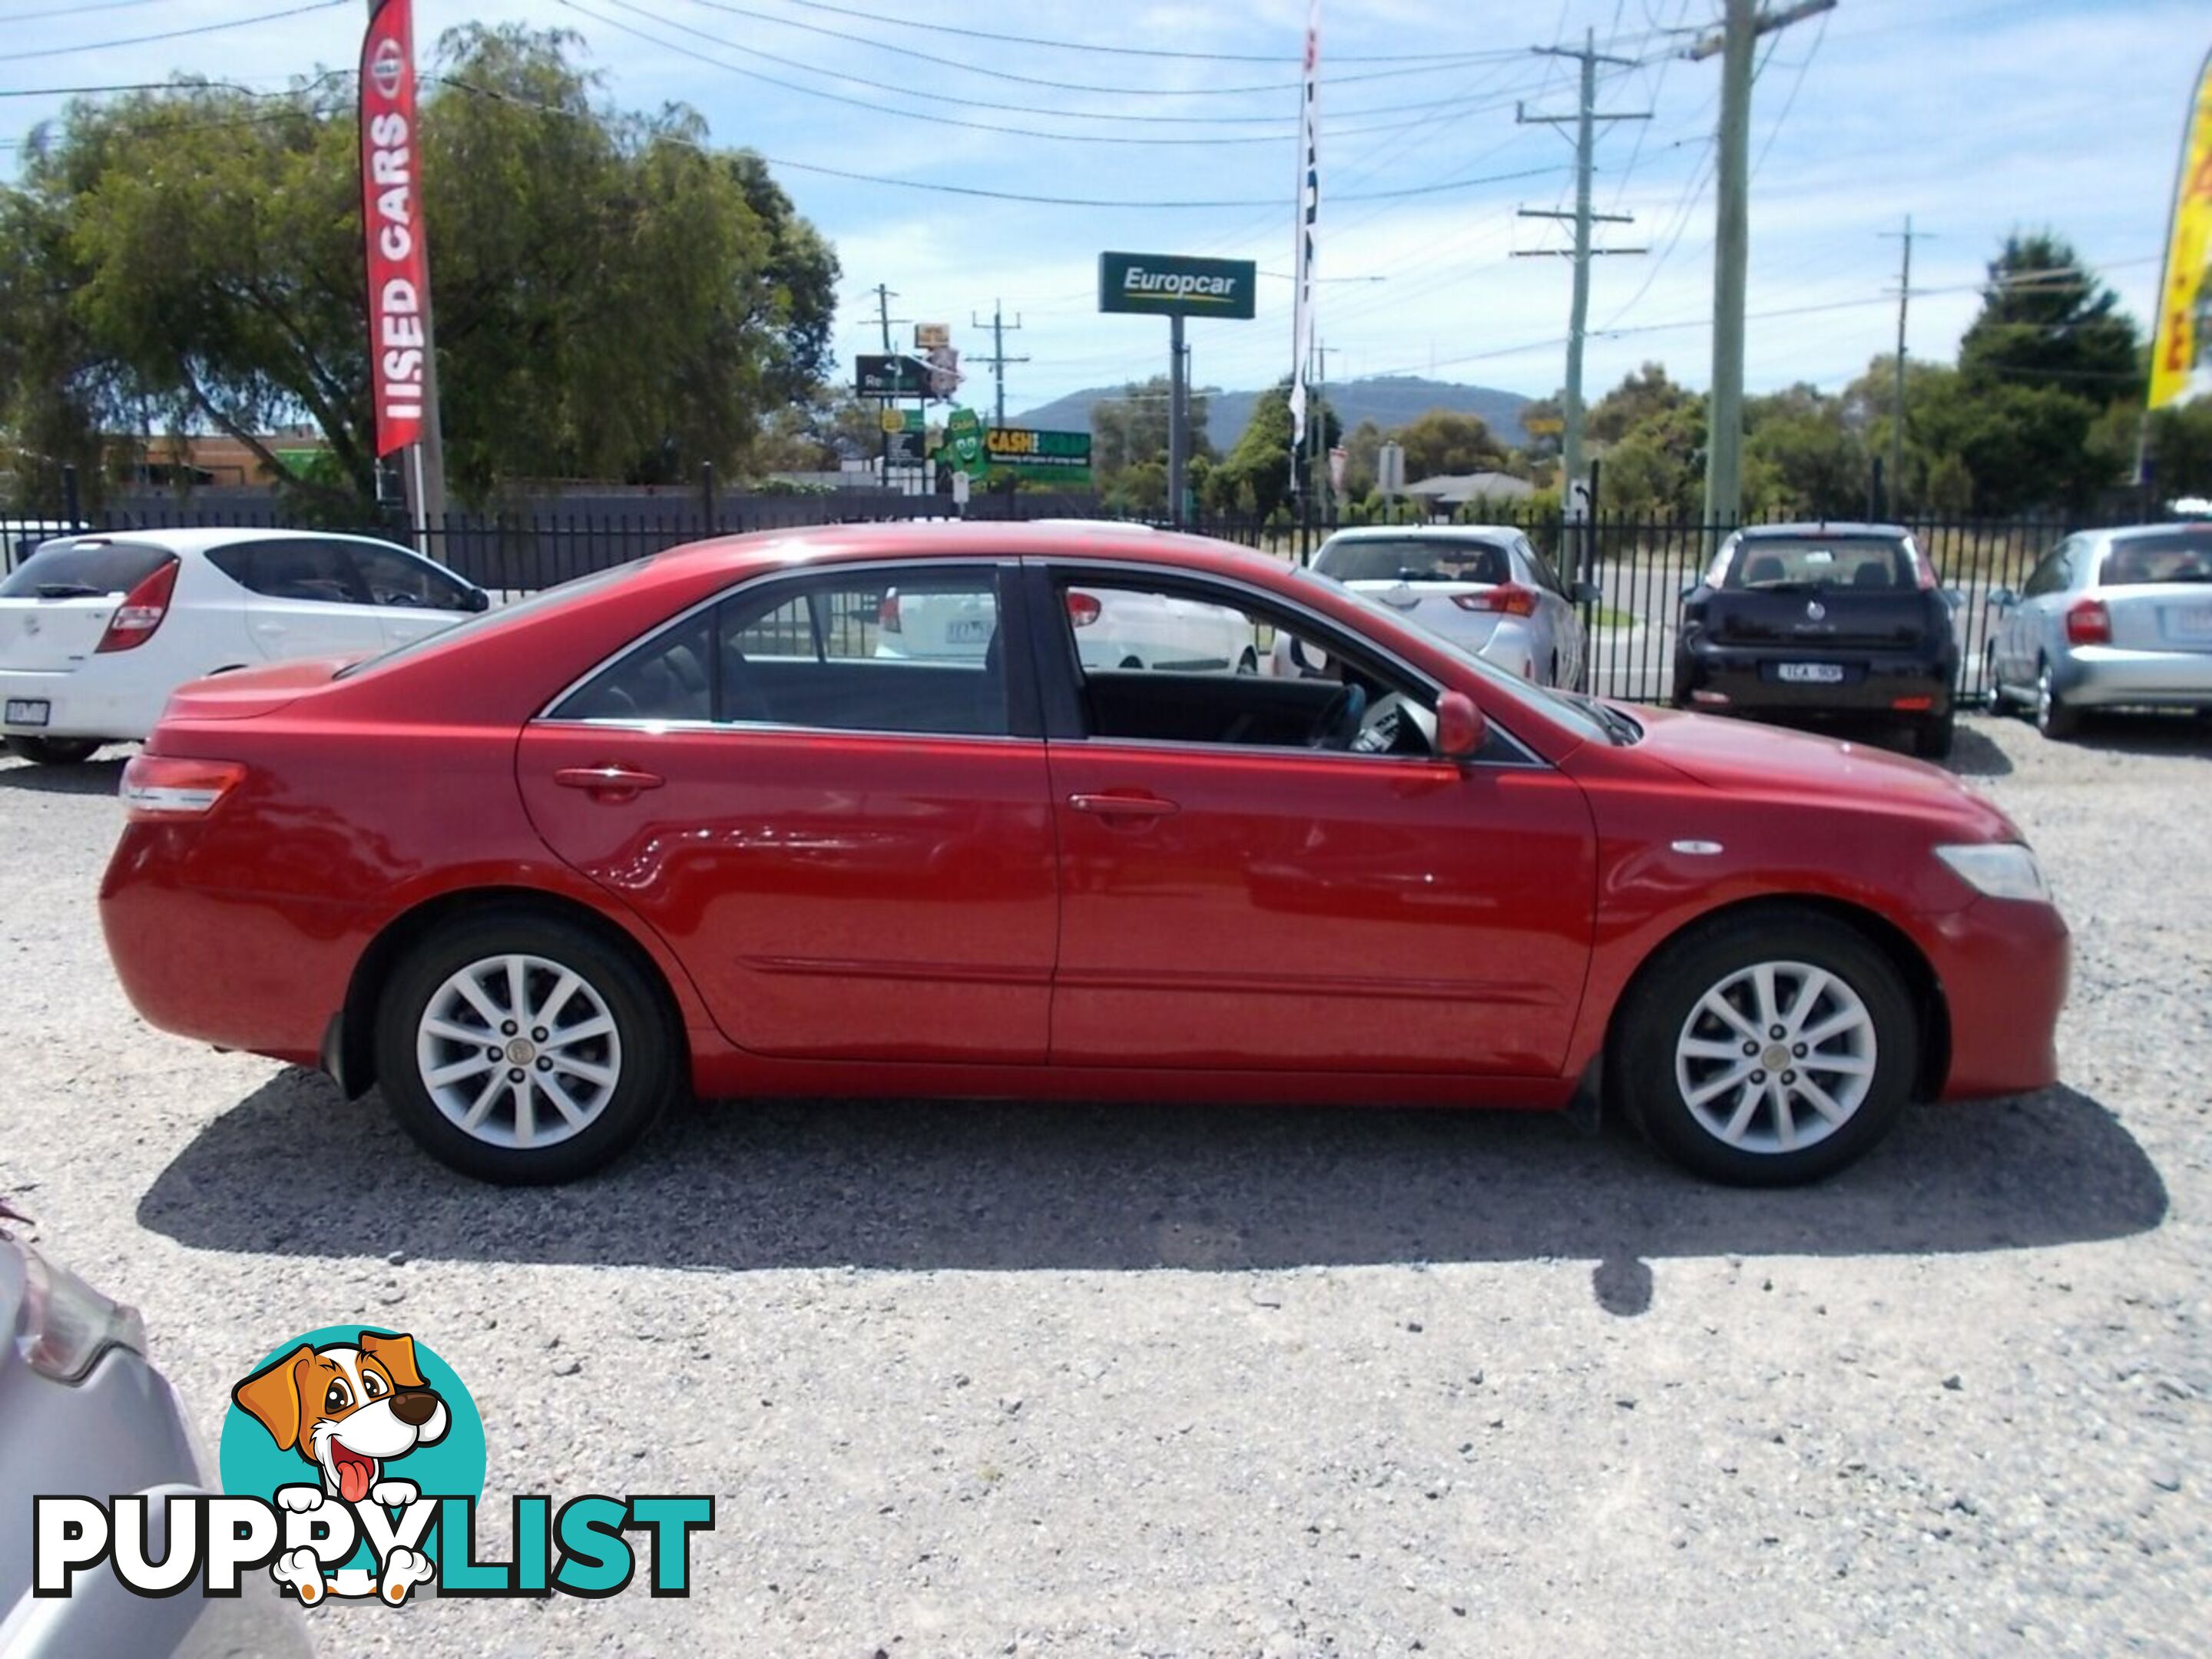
<point x="1588" y="594"/>
<point x="1461" y="727"/>
<point x="1955" y="598"/>
<point x="478" y="600"/>
<point x="1690" y="588"/>
<point x="2004" y="599"/>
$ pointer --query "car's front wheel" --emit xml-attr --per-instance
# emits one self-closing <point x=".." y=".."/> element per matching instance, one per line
<point x="1767" y="1049"/>
<point x="520" y="1047"/>
<point x="53" y="752"/>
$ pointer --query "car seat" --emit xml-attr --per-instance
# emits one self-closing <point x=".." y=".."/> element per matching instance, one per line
<point x="1763" y="569"/>
<point x="1874" y="572"/>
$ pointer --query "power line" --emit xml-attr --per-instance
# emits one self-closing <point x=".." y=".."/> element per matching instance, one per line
<point x="916" y="54"/>
<point x="998" y="37"/>
<point x="75" y="11"/>
<point x="169" y="34"/>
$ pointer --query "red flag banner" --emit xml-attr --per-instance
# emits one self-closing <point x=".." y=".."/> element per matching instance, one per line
<point x="391" y="224"/>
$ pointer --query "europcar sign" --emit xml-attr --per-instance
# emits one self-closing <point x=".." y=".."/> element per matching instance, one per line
<point x="1170" y="285"/>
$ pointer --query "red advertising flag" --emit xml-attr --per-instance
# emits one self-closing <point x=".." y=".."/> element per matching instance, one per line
<point x="391" y="224"/>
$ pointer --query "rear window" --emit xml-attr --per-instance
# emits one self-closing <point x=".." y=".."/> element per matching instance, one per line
<point x="1414" y="559"/>
<point x="83" y="569"/>
<point x="2173" y="556"/>
<point x="1855" y="562"/>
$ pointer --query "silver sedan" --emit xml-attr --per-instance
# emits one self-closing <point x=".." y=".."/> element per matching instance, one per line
<point x="2109" y="619"/>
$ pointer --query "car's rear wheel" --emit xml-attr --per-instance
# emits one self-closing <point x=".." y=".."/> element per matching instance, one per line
<point x="1933" y="740"/>
<point x="2053" y="717"/>
<point x="520" y="1047"/>
<point x="1767" y="1049"/>
<point x="53" y="751"/>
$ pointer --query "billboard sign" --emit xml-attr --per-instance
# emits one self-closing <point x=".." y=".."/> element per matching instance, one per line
<point x="1172" y="285"/>
<point x="1020" y="452"/>
<point x="391" y="226"/>
<point x="928" y="336"/>
<point x="888" y="374"/>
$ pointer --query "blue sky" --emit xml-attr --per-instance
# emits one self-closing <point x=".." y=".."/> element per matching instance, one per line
<point x="1975" y="116"/>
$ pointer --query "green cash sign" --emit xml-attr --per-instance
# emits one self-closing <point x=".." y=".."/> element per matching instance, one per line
<point x="1019" y="451"/>
<point x="1171" y="284"/>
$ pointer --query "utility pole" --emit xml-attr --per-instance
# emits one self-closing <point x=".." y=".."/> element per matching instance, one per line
<point x="1585" y="120"/>
<point x="998" y="358"/>
<point x="1742" y="25"/>
<point x="1178" y="421"/>
<point x="1897" y="421"/>
<point x="884" y="298"/>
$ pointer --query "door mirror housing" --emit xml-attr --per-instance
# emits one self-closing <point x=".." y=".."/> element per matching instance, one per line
<point x="478" y="600"/>
<point x="2003" y="598"/>
<point x="1690" y="588"/>
<point x="1461" y="726"/>
<point x="1587" y="594"/>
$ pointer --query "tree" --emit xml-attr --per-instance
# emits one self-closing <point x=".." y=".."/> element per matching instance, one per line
<point x="1256" y="475"/>
<point x="1803" y="457"/>
<point x="1443" y="442"/>
<point x="1132" y="429"/>
<point x="2047" y="321"/>
<point x="1639" y="397"/>
<point x="1361" y="464"/>
<point x="614" y="300"/>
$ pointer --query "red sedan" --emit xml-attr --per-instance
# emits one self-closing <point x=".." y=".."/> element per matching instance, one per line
<point x="870" y="810"/>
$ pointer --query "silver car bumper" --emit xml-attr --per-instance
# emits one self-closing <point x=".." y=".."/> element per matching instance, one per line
<point x="2107" y="676"/>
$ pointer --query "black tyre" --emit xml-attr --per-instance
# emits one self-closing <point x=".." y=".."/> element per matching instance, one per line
<point x="520" y="1047"/>
<point x="1933" y="739"/>
<point x="53" y="751"/>
<point x="2054" y="717"/>
<point x="1696" y="1062"/>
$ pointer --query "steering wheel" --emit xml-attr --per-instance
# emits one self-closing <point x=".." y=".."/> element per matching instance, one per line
<point x="1339" y="721"/>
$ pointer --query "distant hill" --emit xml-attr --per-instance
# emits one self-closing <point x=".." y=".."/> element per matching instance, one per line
<point x="1388" y="401"/>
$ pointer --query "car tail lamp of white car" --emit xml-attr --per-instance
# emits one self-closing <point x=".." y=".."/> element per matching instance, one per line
<point x="1505" y="599"/>
<point x="164" y="787"/>
<point x="142" y="611"/>
<point x="65" y="1325"/>
<point x="1083" y="609"/>
<point x="2088" y="622"/>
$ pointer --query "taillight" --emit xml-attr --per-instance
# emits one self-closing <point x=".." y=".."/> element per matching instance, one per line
<point x="1924" y="575"/>
<point x="2087" y="623"/>
<point x="1507" y="598"/>
<point x="1083" y="609"/>
<point x="887" y="614"/>
<point x="164" y="787"/>
<point x="141" y="611"/>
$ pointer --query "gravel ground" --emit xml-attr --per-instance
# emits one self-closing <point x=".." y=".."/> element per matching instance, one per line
<point x="983" y="1380"/>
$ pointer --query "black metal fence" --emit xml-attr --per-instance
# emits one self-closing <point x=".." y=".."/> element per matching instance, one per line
<point x="1639" y="568"/>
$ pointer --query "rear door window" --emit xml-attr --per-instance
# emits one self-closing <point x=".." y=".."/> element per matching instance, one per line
<point x="84" y="569"/>
<point x="304" y="572"/>
<point x="396" y="577"/>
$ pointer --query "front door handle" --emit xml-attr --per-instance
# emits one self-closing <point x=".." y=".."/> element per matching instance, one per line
<point x="608" y="783"/>
<point x="1123" y="806"/>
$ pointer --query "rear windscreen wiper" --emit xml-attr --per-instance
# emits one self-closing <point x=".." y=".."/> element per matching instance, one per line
<point x="68" y="591"/>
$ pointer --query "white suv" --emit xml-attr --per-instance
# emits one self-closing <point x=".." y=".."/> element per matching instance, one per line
<point x="96" y="630"/>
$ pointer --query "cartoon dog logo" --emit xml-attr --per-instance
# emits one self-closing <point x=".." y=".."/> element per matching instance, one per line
<point x="350" y="1410"/>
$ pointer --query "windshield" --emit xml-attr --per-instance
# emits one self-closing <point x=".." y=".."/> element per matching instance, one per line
<point x="499" y="617"/>
<point x="2171" y="555"/>
<point x="84" y="569"/>
<point x="1578" y="714"/>
<point x="1874" y="561"/>
<point x="1413" y="559"/>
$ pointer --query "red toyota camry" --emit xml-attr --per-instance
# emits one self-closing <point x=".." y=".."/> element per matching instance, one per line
<point x="1008" y="811"/>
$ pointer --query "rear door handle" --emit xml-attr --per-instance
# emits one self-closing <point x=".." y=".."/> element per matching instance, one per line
<point x="1123" y="806"/>
<point x="612" y="782"/>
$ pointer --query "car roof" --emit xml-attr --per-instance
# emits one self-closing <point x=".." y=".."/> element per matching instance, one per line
<point x="1752" y="532"/>
<point x="938" y="538"/>
<point x="196" y="539"/>
<point x="2129" y="531"/>
<point x="1423" y="533"/>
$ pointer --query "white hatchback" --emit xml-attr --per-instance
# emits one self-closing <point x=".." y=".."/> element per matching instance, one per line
<point x="1115" y="628"/>
<point x="96" y="630"/>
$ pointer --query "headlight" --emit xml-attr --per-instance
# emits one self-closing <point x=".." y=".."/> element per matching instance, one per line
<point x="2002" y="869"/>
<point x="65" y="1325"/>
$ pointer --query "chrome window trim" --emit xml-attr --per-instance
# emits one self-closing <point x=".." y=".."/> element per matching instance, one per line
<point x="759" y="728"/>
<point x="785" y="573"/>
<point x="1528" y="756"/>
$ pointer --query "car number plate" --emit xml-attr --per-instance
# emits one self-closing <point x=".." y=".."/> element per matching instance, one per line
<point x="1810" y="673"/>
<point x="970" y="631"/>
<point x="2194" y="623"/>
<point x="28" y="711"/>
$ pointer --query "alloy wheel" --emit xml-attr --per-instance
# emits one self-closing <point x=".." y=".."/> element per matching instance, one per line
<point x="1775" y="1057"/>
<point x="519" y="1051"/>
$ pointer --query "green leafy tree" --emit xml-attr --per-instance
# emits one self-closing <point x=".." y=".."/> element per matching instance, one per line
<point x="1443" y="442"/>
<point x="613" y="300"/>
<point x="1802" y="456"/>
<point x="1131" y="428"/>
<point x="2048" y="321"/>
<point x="1638" y="397"/>
<point x="1259" y="468"/>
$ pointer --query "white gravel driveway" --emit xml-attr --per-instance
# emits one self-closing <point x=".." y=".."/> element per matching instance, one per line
<point x="1001" y="1380"/>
